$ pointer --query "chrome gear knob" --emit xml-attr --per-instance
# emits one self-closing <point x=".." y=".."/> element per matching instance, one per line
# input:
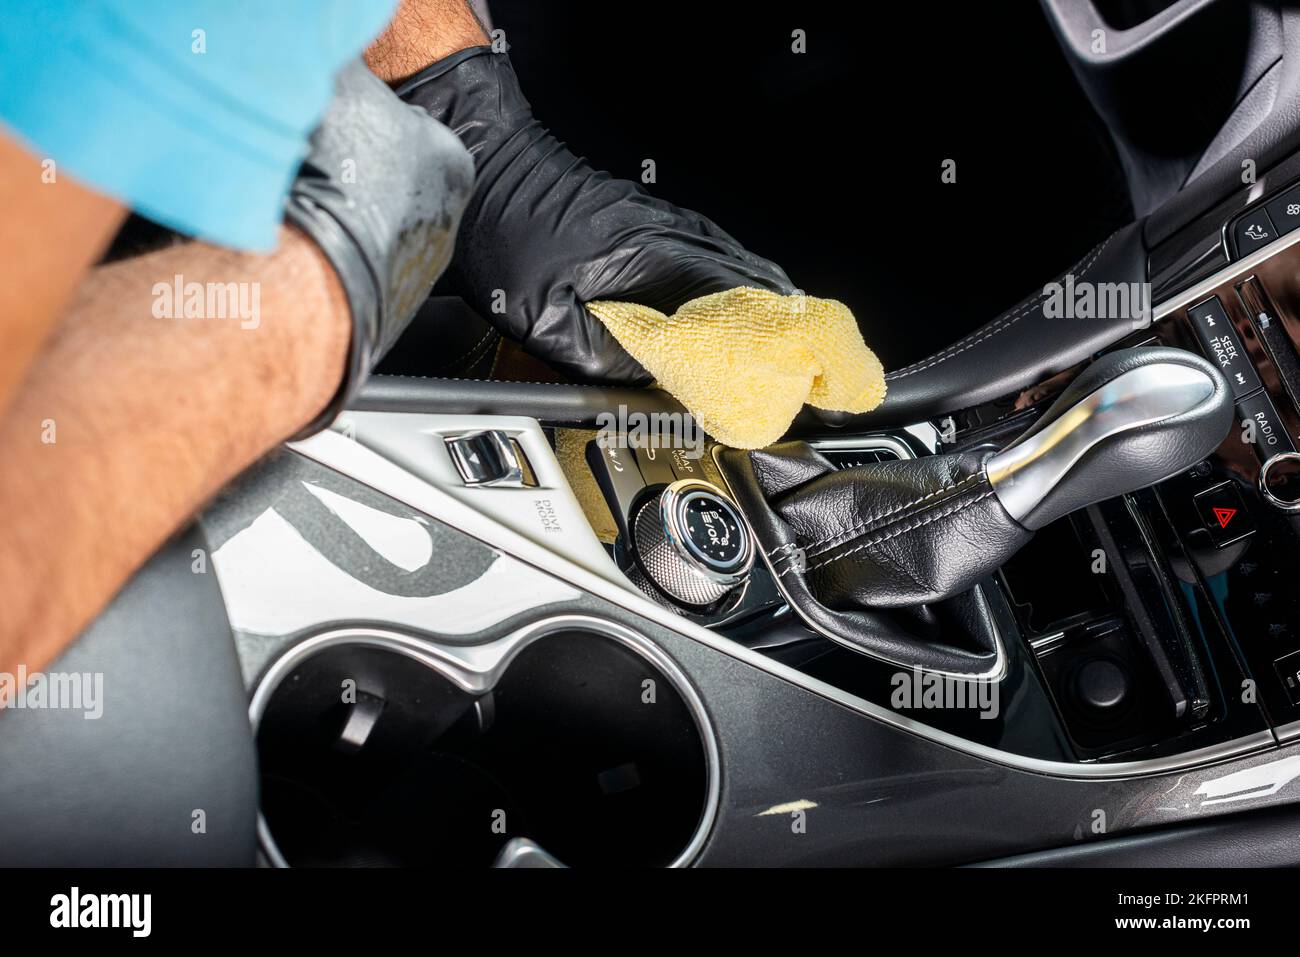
<point x="1131" y="419"/>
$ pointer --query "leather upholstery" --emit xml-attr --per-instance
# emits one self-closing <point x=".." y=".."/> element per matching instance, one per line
<point x="1017" y="349"/>
<point x="895" y="534"/>
<point x="855" y="550"/>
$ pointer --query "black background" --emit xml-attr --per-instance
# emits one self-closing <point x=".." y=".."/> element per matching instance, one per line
<point x="829" y="162"/>
<point x="374" y="911"/>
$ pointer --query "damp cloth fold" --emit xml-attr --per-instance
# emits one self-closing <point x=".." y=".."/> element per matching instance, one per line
<point x="744" y="361"/>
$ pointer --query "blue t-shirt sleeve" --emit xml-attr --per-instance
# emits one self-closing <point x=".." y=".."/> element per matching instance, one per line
<point x="195" y="113"/>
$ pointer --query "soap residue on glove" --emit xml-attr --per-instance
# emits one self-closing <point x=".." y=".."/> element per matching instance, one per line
<point x="744" y="361"/>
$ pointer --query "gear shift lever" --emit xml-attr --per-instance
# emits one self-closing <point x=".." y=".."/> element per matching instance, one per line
<point x="845" y="543"/>
<point x="1130" y="420"/>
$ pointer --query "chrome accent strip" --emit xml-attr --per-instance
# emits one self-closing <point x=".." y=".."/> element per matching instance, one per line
<point x="361" y="464"/>
<point x="1229" y="272"/>
<point x="859" y="443"/>
<point x="1287" y="732"/>
<point x="1026" y="472"/>
<point x="477" y="668"/>
<point x="1047" y="642"/>
<point x="521" y="852"/>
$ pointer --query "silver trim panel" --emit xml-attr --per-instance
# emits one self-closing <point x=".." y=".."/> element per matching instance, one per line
<point x="547" y="513"/>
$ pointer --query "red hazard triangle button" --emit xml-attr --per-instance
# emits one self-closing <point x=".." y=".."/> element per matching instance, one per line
<point x="1224" y="516"/>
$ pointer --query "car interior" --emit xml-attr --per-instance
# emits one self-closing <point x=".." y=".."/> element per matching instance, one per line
<point x="1038" y="608"/>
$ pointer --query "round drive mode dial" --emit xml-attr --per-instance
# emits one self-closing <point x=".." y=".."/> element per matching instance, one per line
<point x="692" y="542"/>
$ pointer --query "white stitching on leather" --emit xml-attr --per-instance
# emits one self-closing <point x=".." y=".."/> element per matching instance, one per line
<point x="789" y="559"/>
<point x="901" y="531"/>
<point x="1001" y="325"/>
<point x="844" y="534"/>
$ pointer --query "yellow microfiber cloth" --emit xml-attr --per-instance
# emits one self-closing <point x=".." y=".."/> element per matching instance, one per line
<point x="744" y="361"/>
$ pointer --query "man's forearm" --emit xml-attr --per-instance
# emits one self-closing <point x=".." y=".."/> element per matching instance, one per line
<point x="133" y="415"/>
<point x="52" y="230"/>
<point x="420" y="33"/>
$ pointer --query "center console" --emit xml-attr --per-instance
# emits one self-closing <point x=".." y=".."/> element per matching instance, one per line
<point x="1160" y="623"/>
<point x="503" y="584"/>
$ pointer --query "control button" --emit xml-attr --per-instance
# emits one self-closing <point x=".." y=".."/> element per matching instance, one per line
<point x="1224" y="515"/>
<point x="685" y="464"/>
<point x="692" y="544"/>
<point x="1101" y="685"/>
<point x="1253" y="230"/>
<point x="1213" y="327"/>
<point x="1284" y="210"/>
<point x="1260" y="424"/>
<point x="1288" y="669"/>
<point x="486" y="458"/>
<point x="616" y="472"/>
<point x="1271" y="332"/>
<point x="712" y="530"/>
<point x="1279" y="481"/>
<point x="656" y="465"/>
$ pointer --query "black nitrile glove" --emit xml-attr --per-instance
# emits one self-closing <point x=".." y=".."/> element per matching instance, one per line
<point x="381" y="192"/>
<point x="551" y="233"/>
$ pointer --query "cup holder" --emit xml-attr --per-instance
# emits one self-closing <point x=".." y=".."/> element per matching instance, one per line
<point x="377" y="749"/>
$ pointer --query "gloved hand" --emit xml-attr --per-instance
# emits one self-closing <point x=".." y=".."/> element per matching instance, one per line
<point x="381" y="193"/>
<point x="552" y="234"/>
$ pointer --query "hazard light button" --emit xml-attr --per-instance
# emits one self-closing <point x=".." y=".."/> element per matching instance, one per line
<point x="1224" y="515"/>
